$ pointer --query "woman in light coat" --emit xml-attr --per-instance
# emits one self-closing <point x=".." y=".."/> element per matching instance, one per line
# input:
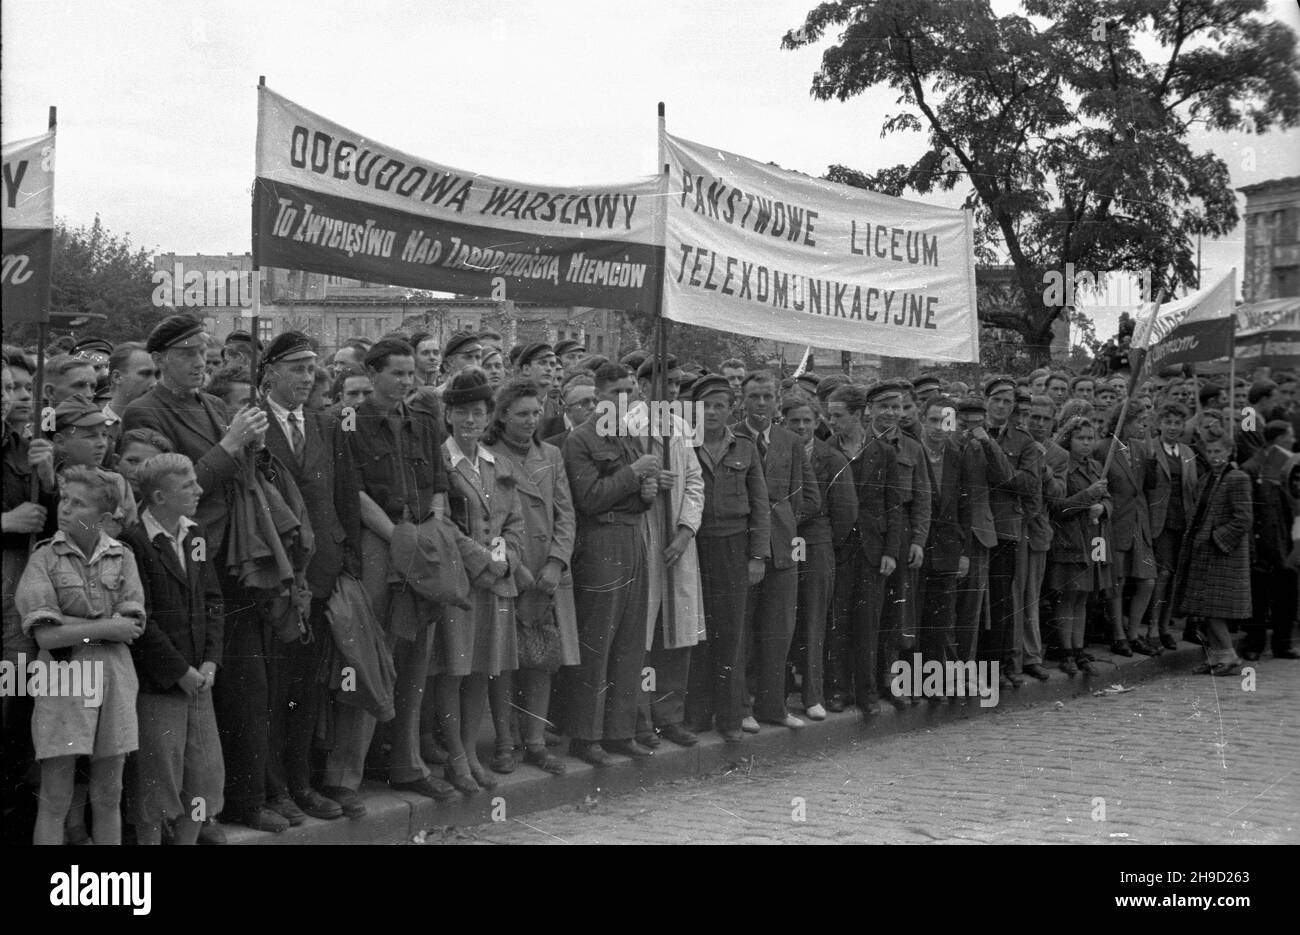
<point x="545" y="612"/>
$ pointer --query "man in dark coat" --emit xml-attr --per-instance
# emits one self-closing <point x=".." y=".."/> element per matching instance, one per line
<point x="310" y="447"/>
<point x="197" y="426"/>
<point x="1272" y="579"/>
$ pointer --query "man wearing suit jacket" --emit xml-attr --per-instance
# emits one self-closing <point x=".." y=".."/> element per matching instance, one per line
<point x="132" y="373"/>
<point x="1056" y="462"/>
<point x="1171" y="501"/>
<point x="980" y="461"/>
<point x="1272" y="579"/>
<point x="197" y="426"/>
<point x="867" y="559"/>
<point x="310" y="448"/>
<point x="947" y="550"/>
<point x="792" y="494"/>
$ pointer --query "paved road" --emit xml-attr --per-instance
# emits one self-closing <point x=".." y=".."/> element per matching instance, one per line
<point x="1178" y="760"/>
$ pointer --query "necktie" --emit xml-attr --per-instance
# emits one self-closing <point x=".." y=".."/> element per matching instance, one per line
<point x="296" y="439"/>
<point x="762" y="446"/>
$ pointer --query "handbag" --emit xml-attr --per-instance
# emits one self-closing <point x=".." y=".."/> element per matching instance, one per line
<point x="538" y="636"/>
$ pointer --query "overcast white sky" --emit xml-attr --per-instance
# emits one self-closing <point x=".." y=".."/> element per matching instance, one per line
<point x="157" y="100"/>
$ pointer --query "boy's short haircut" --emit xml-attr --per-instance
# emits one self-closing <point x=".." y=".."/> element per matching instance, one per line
<point x="758" y="376"/>
<point x="149" y="476"/>
<point x="63" y="364"/>
<point x="1083" y="378"/>
<point x="1057" y="375"/>
<point x="1174" y="409"/>
<point x="791" y="403"/>
<point x="121" y="354"/>
<point x="1042" y="400"/>
<point x="347" y="373"/>
<point x="145" y="437"/>
<point x="100" y="484"/>
<point x="733" y="363"/>
<point x="376" y="357"/>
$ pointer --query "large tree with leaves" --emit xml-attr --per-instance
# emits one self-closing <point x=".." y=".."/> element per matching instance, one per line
<point x="1068" y="125"/>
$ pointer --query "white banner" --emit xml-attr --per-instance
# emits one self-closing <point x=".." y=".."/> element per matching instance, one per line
<point x="29" y="183"/>
<point x="757" y="250"/>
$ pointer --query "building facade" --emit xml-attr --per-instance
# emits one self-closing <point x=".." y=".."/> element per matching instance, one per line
<point x="1272" y="263"/>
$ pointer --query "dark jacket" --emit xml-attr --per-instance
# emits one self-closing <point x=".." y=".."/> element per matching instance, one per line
<point x="184" y="623"/>
<point x="979" y="459"/>
<point x="879" y="529"/>
<point x="1131" y="473"/>
<point x="1073" y="532"/>
<point x="605" y="488"/>
<point x="1056" y="464"/>
<point x="1158" y="495"/>
<point x="1213" y="578"/>
<point x="1016" y="482"/>
<point x="950" y="533"/>
<point x="834" y="519"/>
<point x="195" y="427"/>
<point x="1272" y="508"/>
<point x="792" y="490"/>
<point x="323" y="474"/>
<point x="735" y="497"/>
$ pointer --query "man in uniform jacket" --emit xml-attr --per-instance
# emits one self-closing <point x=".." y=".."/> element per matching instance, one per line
<point x="1171" y="501"/>
<point x="310" y="447"/>
<point x="613" y="484"/>
<point x="197" y="426"/>
<point x="1010" y="498"/>
<point x="1056" y="463"/>
<point x="792" y="493"/>
<point x="1272" y="579"/>
<point x="981" y="461"/>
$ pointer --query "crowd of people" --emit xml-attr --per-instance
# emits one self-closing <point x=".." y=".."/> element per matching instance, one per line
<point x="290" y="572"/>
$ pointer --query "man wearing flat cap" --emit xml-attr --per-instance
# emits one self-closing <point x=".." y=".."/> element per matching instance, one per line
<point x="537" y="362"/>
<point x="310" y="446"/>
<point x="1011" y="497"/>
<point x="198" y="427"/>
<point x="570" y="354"/>
<point x="980" y="459"/>
<point x="462" y="350"/>
<point x="96" y="351"/>
<point x="239" y="345"/>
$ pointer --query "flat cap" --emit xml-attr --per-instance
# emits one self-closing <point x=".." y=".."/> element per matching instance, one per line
<point x="709" y="384"/>
<point x="78" y="411"/>
<point x="650" y="365"/>
<point x="462" y="343"/>
<point x="289" y="345"/>
<point x="809" y="379"/>
<point x="927" y="382"/>
<point x="885" y="389"/>
<point x="633" y="359"/>
<point x="971" y="404"/>
<point x="998" y="384"/>
<point x="830" y="383"/>
<point x="532" y="352"/>
<point x="240" y="337"/>
<point x="93" y="345"/>
<point x="568" y="346"/>
<point x="174" y="331"/>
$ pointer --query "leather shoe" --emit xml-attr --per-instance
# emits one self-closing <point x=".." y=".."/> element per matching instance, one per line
<point x="1140" y="645"/>
<point x="427" y="787"/>
<point x="732" y="736"/>
<point x="284" y="806"/>
<point x="648" y="739"/>
<point x="835" y="704"/>
<point x="211" y="833"/>
<point x="316" y="805"/>
<point x="1226" y="668"/>
<point x="869" y="710"/>
<point x="1016" y="679"/>
<point x="1121" y="648"/>
<point x="1202" y="668"/>
<point x="263" y="819"/>
<point x="628" y="747"/>
<point x="1167" y="641"/>
<point x="351" y="803"/>
<point x="1037" y="671"/>
<point x="679" y="735"/>
<point x="591" y="752"/>
<point x="1250" y="656"/>
<point x="1287" y="654"/>
<point x="815" y="713"/>
<point x="749" y="725"/>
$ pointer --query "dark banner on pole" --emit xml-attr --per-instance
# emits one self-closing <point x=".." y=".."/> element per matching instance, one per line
<point x="28" y="220"/>
<point x="27" y="262"/>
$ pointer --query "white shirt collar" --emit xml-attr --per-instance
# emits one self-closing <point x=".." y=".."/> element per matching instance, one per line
<point x="281" y="412"/>
<point x="153" y="527"/>
<point x="457" y="456"/>
<point x="110" y="414"/>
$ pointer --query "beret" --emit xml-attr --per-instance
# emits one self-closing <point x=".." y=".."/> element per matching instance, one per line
<point x="709" y="384"/>
<point x="633" y="359"/>
<point x="998" y="384"/>
<point x="461" y="343"/>
<point x="79" y="411"/>
<point x="568" y="346"/>
<point x="289" y="345"/>
<point x="594" y="362"/>
<point x="468" y="386"/>
<point x="172" y="331"/>
<point x="531" y="352"/>
<point x="97" y="345"/>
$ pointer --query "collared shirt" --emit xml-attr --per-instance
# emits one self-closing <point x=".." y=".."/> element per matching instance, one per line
<point x="397" y="484"/>
<point x="706" y="457"/>
<point x="457" y="456"/>
<point x="60" y="581"/>
<point x="1171" y="450"/>
<point x="111" y="415"/>
<point x="765" y="436"/>
<point x="282" y="416"/>
<point x="155" y="529"/>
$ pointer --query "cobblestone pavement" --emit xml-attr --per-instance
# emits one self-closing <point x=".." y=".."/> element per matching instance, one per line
<point x="1178" y="760"/>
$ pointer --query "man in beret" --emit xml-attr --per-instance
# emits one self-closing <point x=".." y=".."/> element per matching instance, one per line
<point x="96" y="351"/>
<point x="674" y="608"/>
<point x="1011" y="497"/>
<point x="614" y="482"/>
<point x="980" y="458"/>
<point x="462" y="350"/>
<point x="886" y="403"/>
<point x="490" y="339"/>
<point x="198" y="427"/>
<point x="311" y="447"/>
<point x="735" y="544"/>
<point x="792" y="493"/>
<point x="926" y="387"/>
<point x="570" y="354"/>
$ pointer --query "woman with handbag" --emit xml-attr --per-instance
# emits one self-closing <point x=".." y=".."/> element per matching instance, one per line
<point x="546" y="620"/>
<point x="479" y="643"/>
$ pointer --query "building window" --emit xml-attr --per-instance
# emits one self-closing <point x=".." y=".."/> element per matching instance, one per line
<point x="600" y="344"/>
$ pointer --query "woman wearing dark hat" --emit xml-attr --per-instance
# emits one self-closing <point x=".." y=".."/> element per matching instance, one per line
<point x="545" y="614"/>
<point x="476" y="644"/>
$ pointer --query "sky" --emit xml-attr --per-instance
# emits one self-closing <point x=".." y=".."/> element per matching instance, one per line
<point x="157" y="100"/>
